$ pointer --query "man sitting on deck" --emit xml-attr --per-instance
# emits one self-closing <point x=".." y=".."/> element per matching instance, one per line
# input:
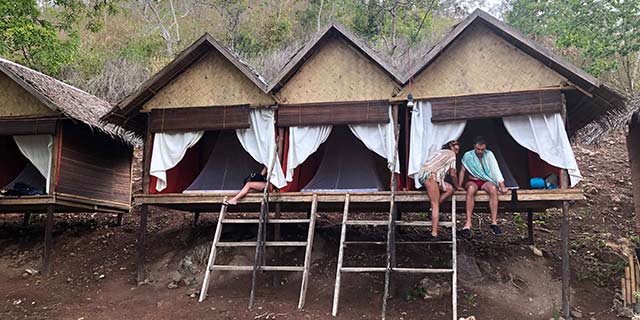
<point x="484" y="173"/>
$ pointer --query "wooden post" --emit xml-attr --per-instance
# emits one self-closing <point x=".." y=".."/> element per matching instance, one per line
<point x="142" y="236"/>
<point x="26" y="218"/>
<point x="566" y="274"/>
<point x="530" y="239"/>
<point x="119" y="218"/>
<point x="48" y="241"/>
<point x="144" y="209"/>
<point x="196" y="217"/>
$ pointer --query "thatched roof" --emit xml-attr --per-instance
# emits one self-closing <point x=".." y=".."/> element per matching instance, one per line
<point x="68" y="101"/>
<point x="598" y="106"/>
<point x="297" y="60"/>
<point x="126" y="112"/>
<point x="592" y="110"/>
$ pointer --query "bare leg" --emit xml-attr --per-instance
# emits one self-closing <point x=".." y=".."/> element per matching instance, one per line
<point x="433" y="189"/>
<point x="472" y="188"/>
<point x="492" y="190"/>
<point x="447" y="193"/>
<point x="254" y="185"/>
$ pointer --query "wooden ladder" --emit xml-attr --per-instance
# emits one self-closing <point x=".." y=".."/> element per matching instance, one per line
<point x="391" y="243"/>
<point x="260" y="244"/>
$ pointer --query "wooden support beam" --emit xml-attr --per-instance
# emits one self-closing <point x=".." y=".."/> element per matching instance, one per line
<point x="530" y="239"/>
<point x="48" y="241"/>
<point x="566" y="274"/>
<point x="119" y="218"/>
<point x="26" y="218"/>
<point x="142" y="235"/>
<point x="196" y="218"/>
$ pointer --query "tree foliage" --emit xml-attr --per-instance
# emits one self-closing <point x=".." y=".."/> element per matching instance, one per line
<point x="46" y="42"/>
<point x="603" y="35"/>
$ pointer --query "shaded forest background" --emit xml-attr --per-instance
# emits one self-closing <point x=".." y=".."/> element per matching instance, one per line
<point x="109" y="47"/>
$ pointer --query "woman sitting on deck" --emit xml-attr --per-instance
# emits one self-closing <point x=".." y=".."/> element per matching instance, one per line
<point x="254" y="182"/>
<point x="432" y="175"/>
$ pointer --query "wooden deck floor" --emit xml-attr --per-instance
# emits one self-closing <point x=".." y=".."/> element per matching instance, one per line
<point x="374" y="201"/>
<point x="63" y="203"/>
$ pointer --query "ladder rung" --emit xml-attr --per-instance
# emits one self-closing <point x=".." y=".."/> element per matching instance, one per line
<point x="365" y="242"/>
<point x="268" y="221"/>
<point x="398" y="223"/>
<point x="250" y="268"/>
<point x="422" y="223"/>
<point x="422" y="270"/>
<point x="267" y="243"/>
<point x="363" y="269"/>
<point x="367" y="222"/>
<point x="397" y="242"/>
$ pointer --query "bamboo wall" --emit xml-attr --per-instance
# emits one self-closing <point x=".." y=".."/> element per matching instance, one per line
<point x="212" y="81"/>
<point x="633" y="146"/>
<point x="337" y="72"/>
<point x="18" y="102"/>
<point x="480" y="61"/>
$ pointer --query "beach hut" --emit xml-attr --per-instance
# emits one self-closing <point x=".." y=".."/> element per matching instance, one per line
<point x="208" y="123"/>
<point x="57" y="155"/>
<point x="485" y="78"/>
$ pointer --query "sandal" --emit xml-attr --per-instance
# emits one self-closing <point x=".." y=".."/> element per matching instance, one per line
<point x="466" y="233"/>
<point x="496" y="230"/>
<point x="227" y="204"/>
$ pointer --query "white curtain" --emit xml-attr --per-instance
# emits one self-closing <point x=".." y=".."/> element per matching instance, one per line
<point x="37" y="148"/>
<point x="426" y="137"/>
<point x="379" y="138"/>
<point x="545" y="135"/>
<point x="168" y="151"/>
<point x="260" y="142"/>
<point x="303" y="142"/>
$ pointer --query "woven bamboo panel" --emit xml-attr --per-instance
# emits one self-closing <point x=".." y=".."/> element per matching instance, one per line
<point x="212" y="81"/>
<point x="94" y="165"/>
<point x="337" y="72"/>
<point x="200" y="118"/>
<point x="333" y="113"/>
<point x="496" y="105"/>
<point x="18" y="102"/>
<point x="27" y="126"/>
<point x="479" y="61"/>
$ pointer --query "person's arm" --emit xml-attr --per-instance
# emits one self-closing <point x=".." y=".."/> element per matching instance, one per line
<point x="454" y="176"/>
<point x="461" y="178"/>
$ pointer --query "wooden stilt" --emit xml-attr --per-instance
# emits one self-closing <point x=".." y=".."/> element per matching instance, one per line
<point x="142" y="236"/>
<point x="530" y="239"/>
<point x="119" y="218"/>
<point x="26" y="218"/>
<point x="566" y="272"/>
<point x="48" y="241"/>
<point x="196" y="218"/>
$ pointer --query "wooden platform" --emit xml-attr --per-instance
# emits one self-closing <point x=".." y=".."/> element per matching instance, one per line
<point x="364" y="201"/>
<point x="63" y="203"/>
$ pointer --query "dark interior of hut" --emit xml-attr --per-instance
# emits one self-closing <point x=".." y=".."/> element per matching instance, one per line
<point x="16" y="168"/>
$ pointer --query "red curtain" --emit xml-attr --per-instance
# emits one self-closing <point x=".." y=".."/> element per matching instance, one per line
<point x="540" y="168"/>
<point x="303" y="173"/>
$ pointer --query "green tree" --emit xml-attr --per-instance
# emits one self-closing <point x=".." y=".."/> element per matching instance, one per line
<point x="41" y="43"/>
<point x="605" y="34"/>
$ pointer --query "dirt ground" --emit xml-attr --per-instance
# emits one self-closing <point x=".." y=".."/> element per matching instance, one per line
<point x="94" y="264"/>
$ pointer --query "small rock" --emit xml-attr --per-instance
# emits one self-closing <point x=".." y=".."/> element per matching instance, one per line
<point x="175" y="277"/>
<point x="172" y="285"/>
<point x="576" y="314"/>
<point x="536" y="251"/>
